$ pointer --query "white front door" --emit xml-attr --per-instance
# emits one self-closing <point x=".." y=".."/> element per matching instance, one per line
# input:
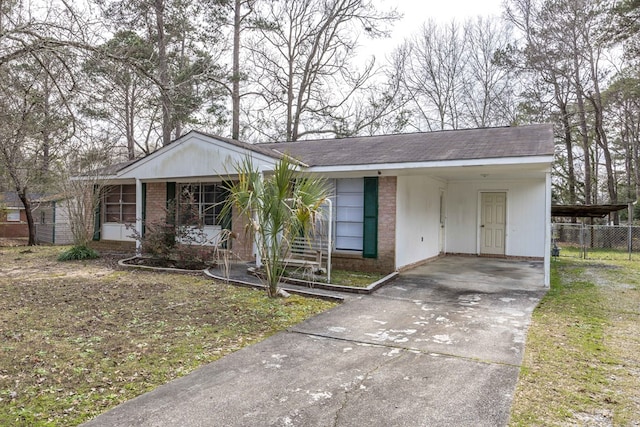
<point x="493" y="223"/>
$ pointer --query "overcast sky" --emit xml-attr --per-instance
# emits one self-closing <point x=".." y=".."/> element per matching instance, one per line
<point x="418" y="11"/>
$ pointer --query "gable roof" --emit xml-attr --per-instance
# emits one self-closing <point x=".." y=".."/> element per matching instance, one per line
<point x="466" y="144"/>
<point x="195" y="154"/>
<point x="410" y="149"/>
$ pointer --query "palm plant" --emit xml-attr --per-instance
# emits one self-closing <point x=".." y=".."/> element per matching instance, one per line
<point x="278" y="207"/>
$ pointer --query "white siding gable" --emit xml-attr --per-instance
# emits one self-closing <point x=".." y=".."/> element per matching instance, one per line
<point x="191" y="156"/>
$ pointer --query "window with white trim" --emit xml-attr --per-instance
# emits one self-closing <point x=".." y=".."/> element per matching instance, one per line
<point x="201" y="202"/>
<point x="120" y="204"/>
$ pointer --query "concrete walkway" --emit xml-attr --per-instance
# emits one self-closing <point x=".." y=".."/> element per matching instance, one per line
<point x="440" y="346"/>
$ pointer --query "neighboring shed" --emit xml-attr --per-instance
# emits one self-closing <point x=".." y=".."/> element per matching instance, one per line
<point x="49" y="216"/>
<point x="52" y="222"/>
<point x="586" y="211"/>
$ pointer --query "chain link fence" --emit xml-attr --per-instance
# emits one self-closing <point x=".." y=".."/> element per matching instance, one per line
<point x="596" y="241"/>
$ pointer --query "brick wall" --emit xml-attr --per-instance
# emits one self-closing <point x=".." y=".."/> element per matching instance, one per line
<point x="14" y="229"/>
<point x="387" y="187"/>
<point x="156" y="202"/>
<point x="156" y="211"/>
<point x="242" y="245"/>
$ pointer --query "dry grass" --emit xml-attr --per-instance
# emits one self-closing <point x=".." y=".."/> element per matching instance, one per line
<point x="582" y="358"/>
<point x="79" y="338"/>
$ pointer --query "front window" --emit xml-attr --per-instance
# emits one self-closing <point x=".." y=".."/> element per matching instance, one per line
<point x="120" y="204"/>
<point x="201" y="203"/>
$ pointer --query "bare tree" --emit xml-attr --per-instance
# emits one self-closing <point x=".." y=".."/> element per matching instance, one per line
<point x="242" y="11"/>
<point x="37" y="122"/>
<point x="302" y="54"/>
<point x="489" y="87"/>
<point x="454" y="76"/>
<point x="433" y="74"/>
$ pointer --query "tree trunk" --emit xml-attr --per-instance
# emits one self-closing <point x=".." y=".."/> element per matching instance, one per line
<point x="129" y="112"/>
<point x="46" y="132"/>
<point x="22" y="194"/>
<point x="568" y="143"/>
<point x="584" y="132"/>
<point x="601" y="139"/>
<point x="235" y="91"/>
<point x="163" y="68"/>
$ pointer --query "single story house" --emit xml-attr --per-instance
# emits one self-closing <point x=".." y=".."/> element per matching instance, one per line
<point x="398" y="200"/>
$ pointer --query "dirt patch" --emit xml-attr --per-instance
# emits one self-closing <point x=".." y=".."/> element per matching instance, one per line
<point x="6" y="242"/>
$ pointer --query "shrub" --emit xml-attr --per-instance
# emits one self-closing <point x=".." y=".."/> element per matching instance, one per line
<point x="78" y="253"/>
<point x="180" y="245"/>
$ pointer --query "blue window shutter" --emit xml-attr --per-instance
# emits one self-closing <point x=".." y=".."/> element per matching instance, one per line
<point x="370" y="220"/>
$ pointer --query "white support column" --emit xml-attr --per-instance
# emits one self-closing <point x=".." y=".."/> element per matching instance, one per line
<point x="256" y="250"/>
<point x="547" y="239"/>
<point x="329" y="239"/>
<point x="256" y="234"/>
<point x="138" y="215"/>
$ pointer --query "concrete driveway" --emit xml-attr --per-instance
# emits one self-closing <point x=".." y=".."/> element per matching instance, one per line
<point x="440" y="346"/>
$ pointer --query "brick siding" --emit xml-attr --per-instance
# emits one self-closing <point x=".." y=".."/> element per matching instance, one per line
<point x="14" y="229"/>
<point x="156" y="206"/>
<point x="242" y="245"/>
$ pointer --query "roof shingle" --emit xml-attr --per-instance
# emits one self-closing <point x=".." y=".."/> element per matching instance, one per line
<point x="466" y="144"/>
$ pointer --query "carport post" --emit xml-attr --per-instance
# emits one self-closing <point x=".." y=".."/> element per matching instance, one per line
<point x="329" y="240"/>
<point x="547" y="237"/>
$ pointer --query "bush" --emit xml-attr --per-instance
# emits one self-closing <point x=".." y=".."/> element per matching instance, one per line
<point x="78" y="253"/>
<point x="185" y="246"/>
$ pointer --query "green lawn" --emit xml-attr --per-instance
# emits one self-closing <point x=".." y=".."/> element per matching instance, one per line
<point x="582" y="358"/>
<point x="79" y="338"/>
<point x="599" y="254"/>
